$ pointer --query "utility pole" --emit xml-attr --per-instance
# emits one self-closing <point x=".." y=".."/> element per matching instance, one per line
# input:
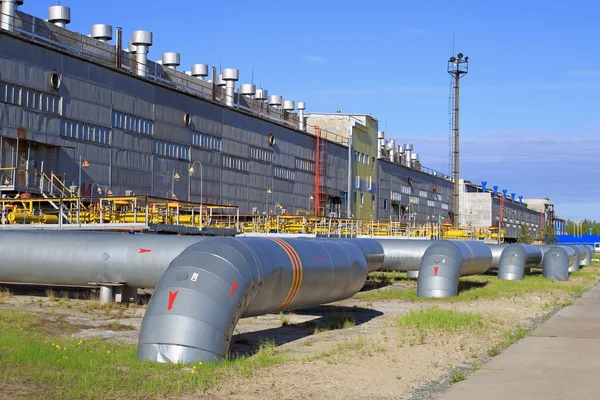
<point x="457" y="67"/>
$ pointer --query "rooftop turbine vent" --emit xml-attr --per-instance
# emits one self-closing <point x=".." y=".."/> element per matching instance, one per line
<point x="200" y="71"/>
<point x="289" y="105"/>
<point x="171" y="60"/>
<point x="102" y="32"/>
<point x="230" y="76"/>
<point x="247" y="89"/>
<point x="59" y="15"/>
<point x="275" y="100"/>
<point x="261" y="94"/>
<point x="301" y="106"/>
<point x="142" y="40"/>
<point x="8" y="11"/>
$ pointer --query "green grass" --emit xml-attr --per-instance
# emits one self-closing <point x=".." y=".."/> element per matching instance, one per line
<point x="38" y="365"/>
<point x="435" y="319"/>
<point x="457" y="377"/>
<point x="489" y="287"/>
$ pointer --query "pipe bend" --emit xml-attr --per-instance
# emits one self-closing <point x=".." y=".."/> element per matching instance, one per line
<point x="211" y="285"/>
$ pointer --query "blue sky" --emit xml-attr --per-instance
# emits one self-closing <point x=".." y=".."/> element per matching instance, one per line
<point x="529" y="108"/>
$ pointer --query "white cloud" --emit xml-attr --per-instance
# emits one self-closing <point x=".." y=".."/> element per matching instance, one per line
<point x="315" y="59"/>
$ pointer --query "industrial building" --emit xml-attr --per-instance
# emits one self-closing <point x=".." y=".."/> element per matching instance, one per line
<point x="106" y="120"/>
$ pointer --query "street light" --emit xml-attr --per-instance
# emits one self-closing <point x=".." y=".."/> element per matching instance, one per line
<point x="99" y="189"/>
<point x="191" y="171"/>
<point x="82" y="164"/>
<point x="174" y="177"/>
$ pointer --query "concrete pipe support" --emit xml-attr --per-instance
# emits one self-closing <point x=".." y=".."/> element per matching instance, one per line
<point x="211" y="285"/>
<point x="516" y="258"/>
<point x="445" y="261"/>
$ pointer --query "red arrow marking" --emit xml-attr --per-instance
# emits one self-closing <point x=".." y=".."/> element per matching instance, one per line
<point x="555" y="259"/>
<point x="510" y="261"/>
<point x="435" y="270"/>
<point x="145" y="251"/>
<point x="172" y="299"/>
<point x="320" y="259"/>
<point x="233" y="287"/>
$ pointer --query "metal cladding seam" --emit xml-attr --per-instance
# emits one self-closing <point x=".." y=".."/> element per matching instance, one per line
<point x="211" y="285"/>
<point x="444" y="261"/>
<point x="557" y="260"/>
<point x="516" y="258"/>
<point x="80" y="258"/>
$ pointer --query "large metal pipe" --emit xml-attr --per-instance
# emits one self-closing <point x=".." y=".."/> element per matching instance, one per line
<point x="403" y="255"/>
<point x="81" y="258"/>
<point x="583" y="255"/>
<point x="9" y="10"/>
<point x="574" y="266"/>
<point x="142" y="40"/>
<point x="497" y="250"/>
<point x="516" y="258"/>
<point x="211" y="285"/>
<point x="445" y="261"/>
<point x="557" y="260"/>
<point x="589" y="252"/>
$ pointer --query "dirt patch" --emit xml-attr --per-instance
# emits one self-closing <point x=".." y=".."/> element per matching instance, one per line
<point x="350" y="349"/>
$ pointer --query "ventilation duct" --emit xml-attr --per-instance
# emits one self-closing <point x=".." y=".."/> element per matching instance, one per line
<point x="59" y="15"/>
<point x="400" y="155"/>
<point x="102" y="32"/>
<point x="230" y="76"/>
<point x="512" y="197"/>
<point x="220" y="81"/>
<point x="8" y="10"/>
<point x="247" y="89"/>
<point x="520" y="200"/>
<point x="289" y="105"/>
<point x="131" y="49"/>
<point x="408" y="148"/>
<point x="171" y="60"/>
<point x="504" y="193"/>
<point x="495" y="190"/>
<point x="380" y="143"/>
<point x="275" y="100"/>
<point x="261" y="94"/>
<point x="483" y="186"/>
<point x="301" y="106"/>
<point x="142" y="40"/>
<point x="200" y="71"/>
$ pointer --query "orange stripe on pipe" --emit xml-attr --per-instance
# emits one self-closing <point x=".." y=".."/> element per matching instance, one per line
<point x="299" y="272"/>
<point x="295" y="273"/>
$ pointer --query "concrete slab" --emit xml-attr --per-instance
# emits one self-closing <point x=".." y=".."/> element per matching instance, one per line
<point x="561" y="361"/>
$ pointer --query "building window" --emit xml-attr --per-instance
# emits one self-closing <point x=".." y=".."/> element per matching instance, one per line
<point x="395" y="196"/>
<point x="132" y="123"/>
<point x="370" y="183"/>
<point x="444" y="206"/>
<point x="422" y="193"/>
<point x="305" y="165"/>
<point x="205" y="141"/>
<point x="84" y="131"/>
<point x="357" y="182"/>
<point x="256" y="153"/>
<point x="430" y="203"/>
<point x="406" y="189"/>
<point x="236" y="163"/>
<point x="171" y="150"/>
<point x="362" y="198"/>
<point x="284" y="173"/>
<point x="414" y="200"/>
<point x="29" y="98"/>
<point x="385" y="204"/>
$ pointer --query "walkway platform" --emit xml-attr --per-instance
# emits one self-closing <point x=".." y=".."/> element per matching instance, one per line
<point x="561" y="360"/>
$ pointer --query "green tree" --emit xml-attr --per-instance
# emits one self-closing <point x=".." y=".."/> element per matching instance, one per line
<point x="549" y="234"/>
<point x="524" y="235"/>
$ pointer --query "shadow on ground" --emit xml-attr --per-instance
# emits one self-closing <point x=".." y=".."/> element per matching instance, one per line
<point x="328" y="318"/>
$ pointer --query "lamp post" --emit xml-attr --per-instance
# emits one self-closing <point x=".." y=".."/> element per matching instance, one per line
<point x="191" y="171"/>
<point x="82" y="164"/>
<point x="99" y="189"/>
<point x="174" y="177"/>
<point x="267" y="200"/>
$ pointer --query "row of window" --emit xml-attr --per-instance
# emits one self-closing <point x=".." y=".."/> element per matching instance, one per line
<point x="171" y="150"/>
<point x="305" y="165"/>
<point x="84" y="131"/>
<point x="430" y="203"/>
<point x="406" y="189"/>
<point x="284" y="173"/>
<point x="413" y="199"/>
<point x="361" y="157"/>
<point x="237" y="163"/>
<point x="395" y="196"/>
<point x="132" y="123"/>
<point x="256" y="153"/>
<point x="205" y="140"/>
<point x="423" y="193"/>
<point x="29" y="98"/>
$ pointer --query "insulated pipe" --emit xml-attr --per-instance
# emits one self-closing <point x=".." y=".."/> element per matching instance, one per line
<point x="583" y="255"/>
<point x="9" y="9"/>
<point x="371" y="249"/>
<point x="444" y="261"/>
<point x="81" y="258"/>
<point x="516" y="258"/>
<point x="574" y="265"/>
<point x="412" y="274"/>
<point x="403" y="255"/>
<point x="211" y="285"/>
<point x="589" y="252"/>
<point x="497" y="250"/>
<point x="142" y="40"/>
<point x="556" y="263"/>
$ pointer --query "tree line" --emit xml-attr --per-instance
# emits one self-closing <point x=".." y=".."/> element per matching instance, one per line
<point x="582" y="227"/>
